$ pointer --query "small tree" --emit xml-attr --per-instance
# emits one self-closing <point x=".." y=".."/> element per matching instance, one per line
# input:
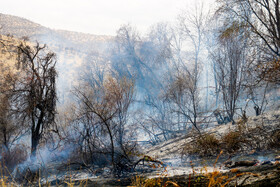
<point x="105" y="106"/>
<point x="9" y="131"/>
<point x="184" y="95"/>
<point x="7" y="127"/>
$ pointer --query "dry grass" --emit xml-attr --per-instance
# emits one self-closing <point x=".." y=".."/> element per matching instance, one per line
<point x="242" y="139"/>
<point x="8" y="180"/>
<point x="160" y="181"/>
<point x="217" y="178"/>
<point x="202" y="178"/>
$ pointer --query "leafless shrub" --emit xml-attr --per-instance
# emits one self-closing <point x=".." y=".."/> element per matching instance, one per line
<point x="243" y="139"/>
<point x="275" y="140"/>
<point x="14" y="156"/>
<point x="233" y="141"/>
<point x="203" y="145"/>
<point x="101" y="123"/>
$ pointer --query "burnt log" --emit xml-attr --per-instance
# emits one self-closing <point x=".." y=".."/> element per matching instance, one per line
<point x="244" y="163"/>
<point x="147" y="159"/>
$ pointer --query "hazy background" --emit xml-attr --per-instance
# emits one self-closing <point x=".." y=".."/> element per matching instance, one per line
<point x="95" y="16"/>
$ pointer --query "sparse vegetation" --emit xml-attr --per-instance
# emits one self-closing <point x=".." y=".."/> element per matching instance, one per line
<point x="233" y="141"/>
<point x="14" y="156"/>
<point x="203" y="84"/>
<point x="203" y="145"/>
<point x="274" y="141"/>
<point x="243" y="138"/>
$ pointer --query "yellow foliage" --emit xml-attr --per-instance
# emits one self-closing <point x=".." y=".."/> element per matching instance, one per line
<point x="270" y="71"/>
<point x="234" y="170"/>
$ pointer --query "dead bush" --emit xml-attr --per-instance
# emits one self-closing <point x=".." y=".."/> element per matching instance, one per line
<point x="233" y="141"/>
<point x="14" y="156"/>
<point x="274" y="141"/>
<point x="203" y="145"/>
<point x="258" y="138"/>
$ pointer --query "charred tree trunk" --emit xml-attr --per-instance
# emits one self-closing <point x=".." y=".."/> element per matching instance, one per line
<point x="112" y="147"/>
<point x="36" y="135"/>
<point x="34" y="144"/>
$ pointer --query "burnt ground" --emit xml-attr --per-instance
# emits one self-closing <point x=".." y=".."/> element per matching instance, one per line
<point x="186" y="171"/>
<point x="262" y="175"/>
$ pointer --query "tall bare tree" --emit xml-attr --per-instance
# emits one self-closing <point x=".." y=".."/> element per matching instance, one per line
<point x="230" y="58"/>
<point x="187" y="48"/>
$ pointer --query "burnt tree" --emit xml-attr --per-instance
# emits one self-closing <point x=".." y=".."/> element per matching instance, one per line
<point x="9" y="131"/>
<point x="35" y="96"/>
<point x="262" y="17"/>
<point x="105" y="109"/>
<point x="230" y="59"/>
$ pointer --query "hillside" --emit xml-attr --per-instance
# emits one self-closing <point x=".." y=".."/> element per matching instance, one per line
<point x="72" y="48"/>
<point x="173" y="148"/>
<point x="20" y="27"/>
